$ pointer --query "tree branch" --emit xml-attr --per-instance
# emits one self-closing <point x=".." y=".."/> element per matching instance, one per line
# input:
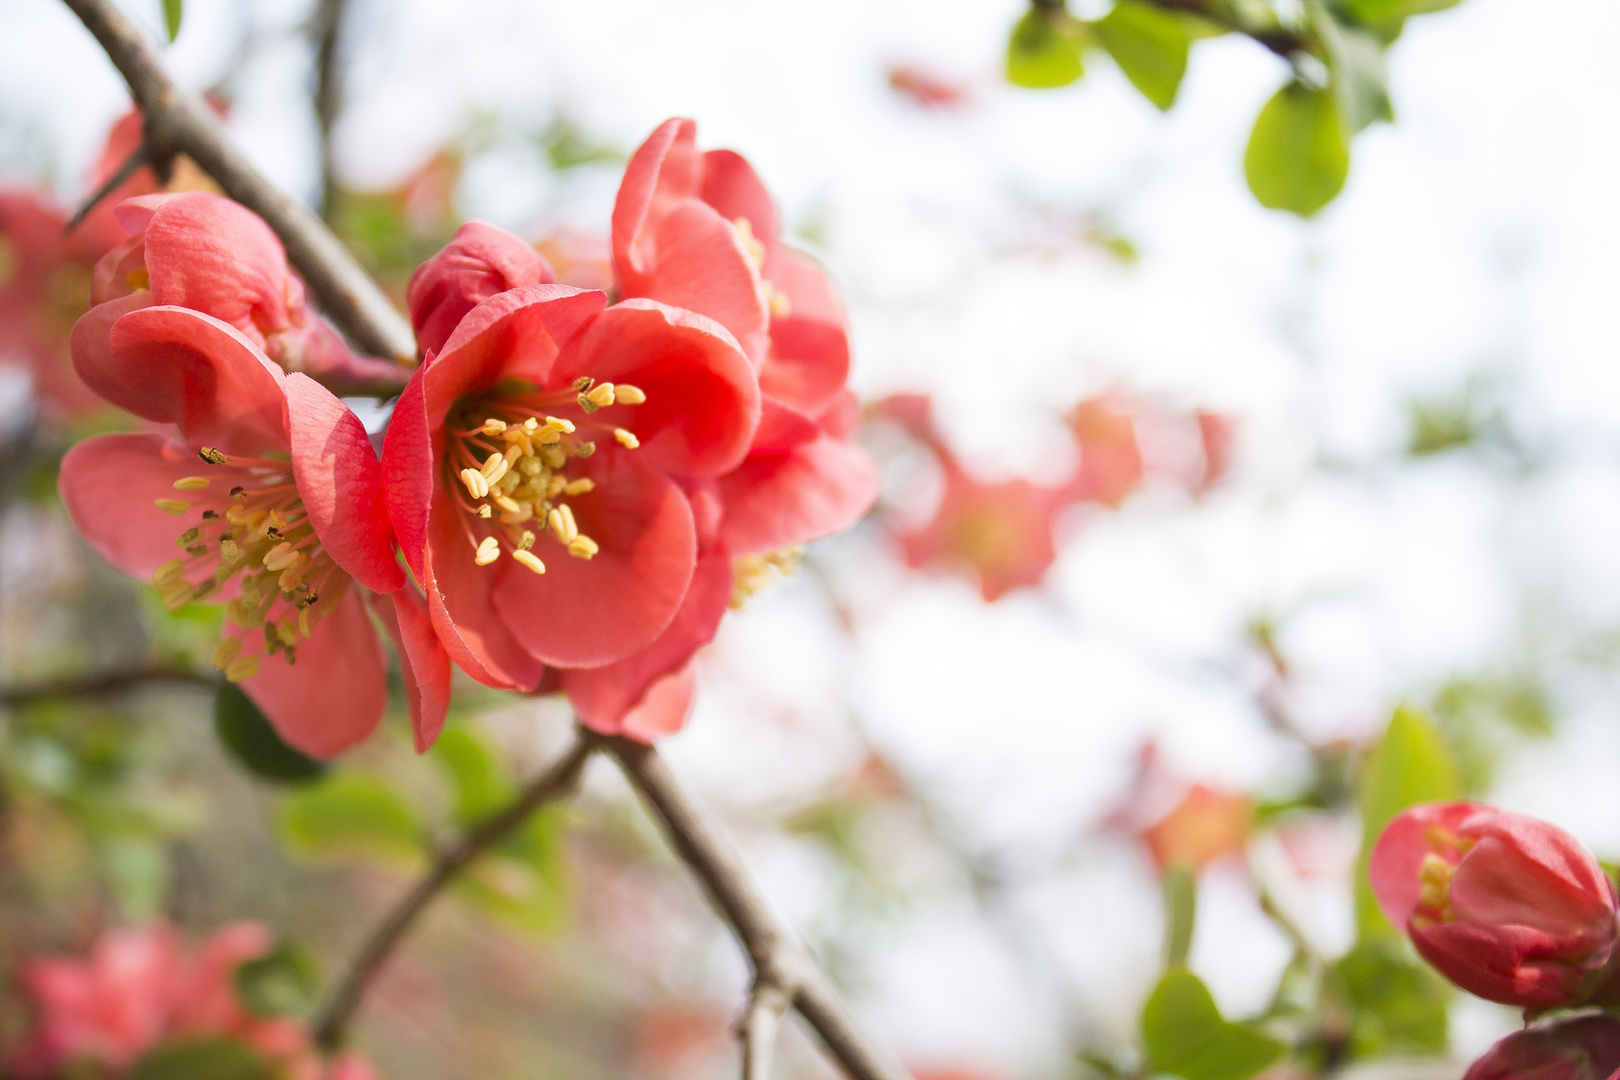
<point x="327" y="25"/>
<point x="178" y="122"/>
<point x="101" y="685"/>
<point x="332" y="1020"/>
<point x="766" y="1004"/>
<point x="778" y="960"/>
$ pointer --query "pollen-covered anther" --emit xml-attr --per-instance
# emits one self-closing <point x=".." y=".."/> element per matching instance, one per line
<point x="1434" y="878"/>
<point x="507" y="503"/>
<point x="280" y="557"/>
<point x="239" y="492"/>
<point x="601" y="395"/>
<point x="626" y="439"/>
<point x="243" y="667"/>
<point x="558" y="423"/>
<point x="174" y="507"/>
<point x="191" y="483"/>
<point x="579" y="487"/>
<point x="494" y="426"/>
<point x="562" y="525"/>
<point x="189" y="537"/>
<point x="177" y="595"/>
<point x="226" y="651"/>
<point x="494" y="468"/>
<point x="527" y="558"/>
<point x="477" y="486"/>
<point x="625" y="394"/>
<point x="169" y="571"/>
<point x="526" y="541"/>
<point x="213" y="455"/>
<point x="583" y="547"/>
<point x="488" y="551"/>
<point x="485" y="511"/>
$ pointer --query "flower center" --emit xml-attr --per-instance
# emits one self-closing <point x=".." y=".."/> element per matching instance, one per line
<point x="252" y="523"/>
<point x="508" y="462"/>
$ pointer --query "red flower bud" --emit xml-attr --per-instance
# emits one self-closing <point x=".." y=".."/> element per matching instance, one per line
<point x="1587" y="1048"/>
<point x="1507" y="907"/>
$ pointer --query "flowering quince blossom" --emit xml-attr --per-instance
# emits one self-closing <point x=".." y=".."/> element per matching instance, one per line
<point x="1507" y="907"/>
<point x="1110" y="455"/>
<point x="202" y="251"/>
<point x="139" y="989"/>
<point x="1582" y="1048"/>
<point x="280" y="516"/>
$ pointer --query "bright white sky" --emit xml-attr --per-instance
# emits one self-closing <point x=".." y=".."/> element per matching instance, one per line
<point x="1478" y="233"/>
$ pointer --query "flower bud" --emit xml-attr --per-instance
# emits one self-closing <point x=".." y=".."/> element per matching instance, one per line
<point x="1586" y="1048"/>
<point x="1507" y="907"/>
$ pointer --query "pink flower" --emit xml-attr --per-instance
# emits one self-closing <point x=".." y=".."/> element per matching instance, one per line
<point x="204" y="252"/>
<point x="1110" y="456"/>
<point x="1507" y="907"/>
<point x="268" y="501"/>
<point x="927" y="88"/>
<point x="1585" y="1048"/>
<point x="535" y="464"/>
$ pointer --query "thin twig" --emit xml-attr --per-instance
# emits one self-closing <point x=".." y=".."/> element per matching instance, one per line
<point x="327" y="26"/>
<point x="137" y="157"/>
<point x="178" y="122"/>
<point x="101" y="685"/>
<point x="766" y="1004"/>
<point x="778" y="960"/>
<point x="332" y="1020"/>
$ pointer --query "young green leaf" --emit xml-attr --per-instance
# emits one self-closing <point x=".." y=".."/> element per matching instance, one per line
<point x="201" y="1059"/>
<point x="1399" y="1004"/>
<point x="1299" y="152"/>
<point x="1044" y="50"/>
<point x="1356" y="61"/>
<point x="479" y="782"/>
<point x="251" y="739"/>
<point x="171" y="17"/>
<point x="352" y="815"/>
<point x="1184" y="1034"/>
<point x="1150" y="47"/>
<point x="1373" y="11"/>
<point x="284" y="983"/>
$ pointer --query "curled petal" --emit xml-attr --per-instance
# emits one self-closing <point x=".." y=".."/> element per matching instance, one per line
<point x="585" y="613"/>
<point x="407" y="471"/>
<point x="424" y="663"/>
<point x="340" y="481"/>
<point x="478" y="263"/>
<point x="734" y="189"/>
<point x="1397" y="858"/>
<point x="815" y="489"/>
<point x="210" y="254"/>
<point x="335" y="695"/>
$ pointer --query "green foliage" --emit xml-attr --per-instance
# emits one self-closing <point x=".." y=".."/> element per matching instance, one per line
<point x="1482" y="718"/>
<point x="172" y="10"/>
<point x="1356" y="61"/>
<point x="254" y="743"/>
<point x="285" y="983"/>
<point x="1149" y="45"/>
<point x="1180" y="888"/>
<point x="352" y="815"/>
<point x="1411" y="764"/>
<point x="1044" y="50"/>
<point x="1184" y="1034"/>
<point x="568" y="146"/>
<point x="1399" y="1004"/>
<point x="201" y="1059"/>
<point x="1471" y="416"/>
<point x="1299" y="152"/>
<point x="1383" y="11"/>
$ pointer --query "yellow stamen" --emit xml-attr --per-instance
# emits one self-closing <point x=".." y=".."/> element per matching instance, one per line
<point x="777" y="300"/>
<point x="138" y="279"/>
<point x="507" y="503"/>
<point x="243" y="667"/>
<point x="477" y="487"/>
<point x="287" y="631"/>
<point x="303" y="622"/>
<point x="494" y="426"/>
<point x="751" y="243"/>
<point x="582" y="547"/>
<point x="189" y="537"/>
<point x="280" y="557"/>
<point x="553" y="456"/>
<point x="528" y="559"/>
<point x="213" y="455"/>
<point x="548" y="436"/>
<point x="1434" y="879"/>
<point x="168" y="572"/>
<point x="177" y="595"/>
<point x="191" y="483"/>
<point x="228" y="551"/>
<point x="176" y="507"/>
<point x="494" y="469"/>
<point x="488" y="551"/>
<point x="562" y="524"/>
<point x="625" y="394"/>
<point x="530" y="426"/>
<point x="557" y="423"/>
<point x="579" y="487"/>
<point x="626" y="439"/>
<point x="601" y="395"/>
<point x="227" y="651"/>
<point x="484" y="511"/>
<point x="527" y="541"/>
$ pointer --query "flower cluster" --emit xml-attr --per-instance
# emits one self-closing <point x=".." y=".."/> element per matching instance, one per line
<point x="1516" y="911"/>
<point x="578" y="488"/>
<point x="140" y="996"/>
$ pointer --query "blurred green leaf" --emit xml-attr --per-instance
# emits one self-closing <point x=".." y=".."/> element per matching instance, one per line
<point x="568" y="146"/>
<point x="1400" y="1004"/>
<point x="1411" y="764"/>
<point x="1380" y="11"/>
<point x="1150" y="47"/>
<point x="1184" y="1034"/>
<point x="201" y="1059"/>
<point x="1044" y="50"/>
<point x="285" y="983"/>
<point x="352" y="815"/>
<point x="477" y="781"/>
<point x="138" y="869"/>
<point x="1299" y="152"/>
<point x="1484" y="718"/>
<point x="524" y="881"/>
<point x="1356" y="60"/>
<point x="172" y="10"/>
<point x="254" y="743"/>
<point x="1180" y="887"/>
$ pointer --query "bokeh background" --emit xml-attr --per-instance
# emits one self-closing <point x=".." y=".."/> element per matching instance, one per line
<point x="961" y="804"/>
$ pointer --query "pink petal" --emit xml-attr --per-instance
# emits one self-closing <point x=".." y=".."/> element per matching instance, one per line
<point x="816" y="489"/>
<point x="336" y="693"/>
<point x="424" y="663"/>
<point x="340" y="482"/>
<point x="702" y="266"/>
<point x="91" y="343"/>
<point x="664" y="170"/>
<point x="177" y="366"/>
<point x="582" y="612"/>
<point x="110" y="483"/>
<point x="731" y="186"/>
<point x="1398" y="856"/>
<point x="663" y="709"/>
<point x="603" y="696"/>
<point x="702" y="398"/>
<point x="478" y="263"/>
<point x="407" y="471"/>
<point x="212" y="255"/>
<point x="809" y="356"/>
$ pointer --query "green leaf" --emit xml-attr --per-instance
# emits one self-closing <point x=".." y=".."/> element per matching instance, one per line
<point x="1400" y="1005"/>
<point x="1150" y="47"/>
<point x="1180" y="913"/>
<point x="284" y="983"/>
<point x="201" y="1059"/>
<point x="480" y="784"/>
<point x="171" y="17"/>
<point x="1356" y="61"/>
<point x="1184" y="1034"/>
<point x="524" y="881"/>
<point x="1411" y="764"/>
<point x="250" y="738"/>
<point x="352" y="815"/>
<point x="1299" y="153"/>
<point x="1044" y="50"/>
<point x="1378" y="11"/>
